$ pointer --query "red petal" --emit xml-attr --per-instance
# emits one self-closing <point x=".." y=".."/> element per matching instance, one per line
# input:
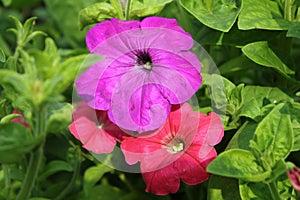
<point x="92" y="138"/>
<point x="163" y="181"/>
<point x="192" y="168"/>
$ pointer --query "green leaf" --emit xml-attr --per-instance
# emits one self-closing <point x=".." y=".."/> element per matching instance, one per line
<point x="2" y="56"/>
<point x="295" y="119"/>
<point x="147" y="7"/>
<point x="217" y="85"/>
<point x="101" y="192"/>
<point x="15" y="141"/>
<point x="252" y="191"/>
<point x="68" y="70"/>
<point x="92" y="175"/>
<point x="273" y="137"/>
<point x="257" y="101"/>
<point x="218" y="14"/>
<point x="262" y="54"/>
<point x="6" y="3"/>
<point x="54" y="167"/>
<point x="223" y="188"/>
<point x="294" y="30"/>
<point x="239" y="63"/>
<point x="8" y="118"/>
<point x="242" y="137"/>
<point x="261" y="14"/>
<point x="261" y="191"/>
<point x="238" y="163"/>
<point x="96" y="13"/>
<point x="60" y="117"/>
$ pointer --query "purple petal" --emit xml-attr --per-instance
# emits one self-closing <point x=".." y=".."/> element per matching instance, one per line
<point x="87" y="85"/>
<point x="107" y="29"/>
<point x="172" y="32"/>
<point x="138" y="105"/>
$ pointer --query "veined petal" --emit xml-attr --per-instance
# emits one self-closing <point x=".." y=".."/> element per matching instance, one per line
<point x="87" y="84"/>
<point x="136" y="105"/>
<point x="162" y="181"/>
<point x="192" y="168"/>
<point x="92" y="137"/>
<point x="106" y="29"/>
<point x="170" y="30"/>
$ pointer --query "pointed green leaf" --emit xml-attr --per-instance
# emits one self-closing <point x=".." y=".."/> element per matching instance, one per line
<point x="96" y="13"/>
<point x="218" y="14"/>
<point x="274" y="135"/>
<point x="238" y="163"/>
<point x="262" y="54"/>
<point x="262" y="14"/>
<point x="18" y="24"/>
<point x="27" y="28"/>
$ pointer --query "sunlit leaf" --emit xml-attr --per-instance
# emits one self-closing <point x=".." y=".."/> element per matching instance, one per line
<point x="219" y="15"/>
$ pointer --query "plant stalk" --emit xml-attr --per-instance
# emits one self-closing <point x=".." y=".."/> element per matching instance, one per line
<point x="127" y="9"/>
<point x="273" y="190"/>
<point x="35" y="157"/>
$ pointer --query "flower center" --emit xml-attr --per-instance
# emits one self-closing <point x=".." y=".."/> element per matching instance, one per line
<point x="176" y="146"/>
<point x="144" y="59"/>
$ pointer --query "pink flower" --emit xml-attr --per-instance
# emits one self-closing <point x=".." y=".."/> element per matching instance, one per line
<point x="181" y="149"/>
<point x="294" y="176"/>
<point x="147" y="67"/>
<point x="21" y="119"/>
<point x="94" y="130"/>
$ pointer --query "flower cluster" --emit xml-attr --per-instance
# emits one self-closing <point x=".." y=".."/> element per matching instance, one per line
<point x="141" y="86"/>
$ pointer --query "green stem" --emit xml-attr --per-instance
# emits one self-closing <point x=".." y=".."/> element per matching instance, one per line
<point x="288" y="10"/>
<point x="7" y="180"/>
<point x="73" y="180"/>
<point x="273" y="190"/>
<point x="35" y="157"/>
<point x="31" y="173"/>
<point x="118" y="6"/>
<point x="127" y="9"/>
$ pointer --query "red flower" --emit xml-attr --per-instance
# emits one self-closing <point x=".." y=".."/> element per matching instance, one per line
<point x="95" y="131"/>
<point x="21" y="119"/>
<point x="181" y="149"/>
<point x="294" y="176"/>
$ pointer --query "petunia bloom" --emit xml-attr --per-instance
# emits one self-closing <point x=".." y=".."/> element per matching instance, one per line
<point x="147" y="66"/>
<point x="180" y="150"/>
<point x="95" y="131"/>
<point x="294" y="176"/>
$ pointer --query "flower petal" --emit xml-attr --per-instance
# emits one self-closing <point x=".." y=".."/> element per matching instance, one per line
<point x="106" y="29"/>
<point x="192" y="168"/>
<point x="87" y="84"/>
<point x="136" y="105"/>
<point x="163" y="181"/>
<point x="91" y="137"/>
<point x="174" y="32"/>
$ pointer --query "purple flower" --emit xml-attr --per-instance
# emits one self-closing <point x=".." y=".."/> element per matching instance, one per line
<point x="147" y="67"/>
